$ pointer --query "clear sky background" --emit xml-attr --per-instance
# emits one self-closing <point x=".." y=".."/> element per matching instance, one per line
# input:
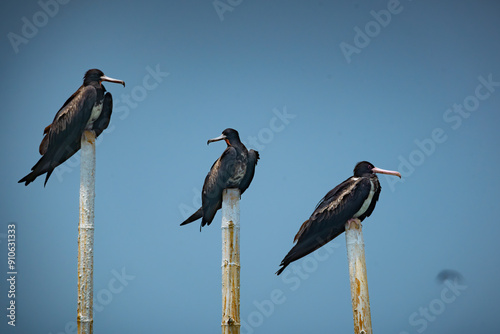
<point x="315" y="87"/>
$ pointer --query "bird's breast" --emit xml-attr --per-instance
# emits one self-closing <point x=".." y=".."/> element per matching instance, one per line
<point x="96" y="112"/>
<point x="367" y="202"/>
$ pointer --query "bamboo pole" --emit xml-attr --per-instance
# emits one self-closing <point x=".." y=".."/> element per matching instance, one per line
<point x="358" y="278"/>
<point x="86" y="234"/>
<point x="231" y="261"/>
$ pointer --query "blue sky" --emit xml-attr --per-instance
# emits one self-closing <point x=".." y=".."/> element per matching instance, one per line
<point x="315" y="87"/>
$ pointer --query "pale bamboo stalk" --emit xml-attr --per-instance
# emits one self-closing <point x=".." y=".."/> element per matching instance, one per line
<point x="358" y="278"/>
<point x="86" y="234"/>
<point x="231" y="261"/>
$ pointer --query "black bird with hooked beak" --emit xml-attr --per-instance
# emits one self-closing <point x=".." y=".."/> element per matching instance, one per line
<point x="89" y="108"/>
<point x="234" y="169"/>
<point x="354" y="198"/>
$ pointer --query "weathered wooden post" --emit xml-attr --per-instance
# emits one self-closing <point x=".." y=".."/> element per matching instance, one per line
<point x="231" y="261"/>
<point x="358" y="278"/>
<point x="86" y="234"/>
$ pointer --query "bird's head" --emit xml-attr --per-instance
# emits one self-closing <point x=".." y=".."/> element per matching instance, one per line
<point x="230" y="136"/>
<point x="364" y="168"/>
<point x="95" y="75"/>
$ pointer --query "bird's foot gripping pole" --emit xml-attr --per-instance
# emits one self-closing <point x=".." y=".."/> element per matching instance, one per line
<point x="352" y="221"/>
<point x="358" y="277"/>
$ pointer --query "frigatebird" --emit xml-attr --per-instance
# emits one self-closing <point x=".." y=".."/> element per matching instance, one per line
<point x="87" y="109"/>
<point x="354" y="198"/>
<point x="235" y="168"/>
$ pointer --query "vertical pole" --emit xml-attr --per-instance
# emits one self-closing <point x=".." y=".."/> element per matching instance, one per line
<point x="86" y="234"/>
<point x="231" y="261"/>
<point x="358" y="278"/>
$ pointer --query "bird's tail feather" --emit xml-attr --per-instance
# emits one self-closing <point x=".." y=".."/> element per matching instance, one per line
<point x="281" y="269"/>
<point x="28" y="178"/>
<point x="41" y="167"/>
<point x="195" y="216"/>
<point x="294" y="254"/>
<point x="305" y="247"/>
<point x="47" y="177"/>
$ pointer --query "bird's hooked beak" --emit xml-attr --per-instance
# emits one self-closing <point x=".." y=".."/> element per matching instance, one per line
<point x="384" y="171"/>
<point x="221" y="137"/>
<point x="105" y="78"/>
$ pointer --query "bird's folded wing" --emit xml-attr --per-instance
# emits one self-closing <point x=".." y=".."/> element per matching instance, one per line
<point x="253" y="156"/>
<point x="71" y="119"/>
<point x="332" y="212"/>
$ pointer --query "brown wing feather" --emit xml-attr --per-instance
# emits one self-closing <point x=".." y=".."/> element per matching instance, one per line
<point x="303" y="227"/>
<point x="328" y="219"/>
<point x="70" y="121"/>
<point x="62" y="137"/>
<point x="45" y="141"/>
<point x="253" y="157"/>
<point x="215" y="182"/>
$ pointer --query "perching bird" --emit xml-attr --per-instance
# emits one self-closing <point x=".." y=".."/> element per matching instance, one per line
<point x="87" y="109"/>
<point x="354" y="198"/>
<point x="234" y="169"/>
